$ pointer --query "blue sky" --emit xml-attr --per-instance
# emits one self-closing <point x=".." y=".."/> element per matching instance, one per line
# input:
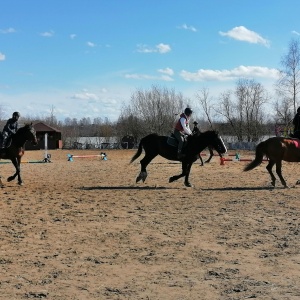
<point x="85" y="58"/>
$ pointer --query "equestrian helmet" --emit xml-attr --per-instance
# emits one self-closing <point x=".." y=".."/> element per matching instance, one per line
<point x="16" y="114"/>
<point x="188" y="111"/>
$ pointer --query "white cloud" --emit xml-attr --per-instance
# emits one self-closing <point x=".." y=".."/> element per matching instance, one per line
<point x="163" y="48"/>
<point x="2" y="56"/>
<point x="186" y="27"/>
<point x="8" y="30"/>
<point x="148" y="77"/>
<point x="144" y="49"/>
<point x="167" y="71"/>
<point x="295" y="32"/>
<point x="90" y="44"/>
<point x="160" y="48"/>
<point x="223" y="75"/>
<point x="72" y="36"/>
<point x="47" y="33"/>
<point x="241" y="33"/>
<point x="85" y="96"/>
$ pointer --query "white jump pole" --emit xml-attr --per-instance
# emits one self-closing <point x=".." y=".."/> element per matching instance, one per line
<point x="46" y="146"/>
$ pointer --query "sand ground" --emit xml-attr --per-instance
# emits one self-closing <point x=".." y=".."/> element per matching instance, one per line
<point x="86" y="230"/>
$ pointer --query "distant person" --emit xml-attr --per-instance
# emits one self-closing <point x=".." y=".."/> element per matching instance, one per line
<point x="181" y="128"/>
<point x="10" y="128"/>
<point x="296" y="123"/>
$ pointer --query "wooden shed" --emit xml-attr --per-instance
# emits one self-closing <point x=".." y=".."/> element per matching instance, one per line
<point x="54" y="137"/>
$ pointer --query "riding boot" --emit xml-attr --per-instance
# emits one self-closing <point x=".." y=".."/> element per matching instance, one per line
<point x="180" y="155"/>
<point x="3" y="145"/>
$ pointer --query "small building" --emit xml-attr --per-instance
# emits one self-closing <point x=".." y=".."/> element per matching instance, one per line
<point x="53" y="140"/>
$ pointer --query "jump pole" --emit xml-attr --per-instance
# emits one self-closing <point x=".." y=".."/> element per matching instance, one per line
<point x="222" y="160"/>
<point x="102" y="155"/>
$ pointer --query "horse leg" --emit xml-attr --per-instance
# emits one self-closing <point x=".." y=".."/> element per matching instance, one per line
<point x="269" y="168"/>
<point x="278" y="171"/>
<point x="183" y="173"/>
<point x="16" y="162"/>
<point x="144" y="163"/>
<point x="211" y="154"/>
<point x="1" y="183"/>
<point x="187" y="174"/>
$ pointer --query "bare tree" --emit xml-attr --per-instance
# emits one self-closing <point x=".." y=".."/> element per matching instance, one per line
<point x="288" y="85"/>
<point x="227" y="109"/>
<point x="205" y="103"/>
<point x="245" y="112"/>
<point x="251" y="97"/>
<point x="152" y="110"/>
<point x="283" y="111"/>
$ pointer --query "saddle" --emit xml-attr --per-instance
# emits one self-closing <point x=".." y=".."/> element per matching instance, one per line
<point x="172" y="141"/>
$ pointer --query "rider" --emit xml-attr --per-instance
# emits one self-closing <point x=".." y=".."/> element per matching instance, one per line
<point x="10" y="128"/>
<point x="296" y="122"/>
<point x="181" y="128"/>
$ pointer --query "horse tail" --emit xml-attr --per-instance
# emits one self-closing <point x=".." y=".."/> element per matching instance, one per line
<point x="139" y="152"/>
<point x="259" y="155"/>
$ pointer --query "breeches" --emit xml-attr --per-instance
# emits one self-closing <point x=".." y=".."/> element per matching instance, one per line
<point x="180" y="138"/>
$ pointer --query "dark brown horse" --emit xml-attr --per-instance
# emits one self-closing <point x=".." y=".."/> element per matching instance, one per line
<point x="276" y="149"/>
<point x="211" y="154"/>
<point x="15" y="150"/>
<point x="210" y="148"/>
<point x="154" y="145"/>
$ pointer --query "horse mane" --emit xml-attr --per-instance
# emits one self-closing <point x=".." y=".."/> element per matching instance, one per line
<point x="26" y="126"/>
<point x="204" y="134"/>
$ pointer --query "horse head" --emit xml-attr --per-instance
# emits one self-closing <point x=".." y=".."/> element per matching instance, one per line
<point x="215" y="140"/>
<point x="28" y="133"/>
<point x="218" y="143"/>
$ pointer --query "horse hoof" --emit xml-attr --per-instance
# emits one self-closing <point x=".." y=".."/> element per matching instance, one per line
<point x="10" y="178"/>
<point x="171" y="179"/>
<point x="297" y="182"/>
<point x="188" y="184"/>
<point x="20" y="183"/>
<point x="142" y="176"/>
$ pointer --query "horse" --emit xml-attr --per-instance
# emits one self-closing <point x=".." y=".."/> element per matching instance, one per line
<point x="15" y="150"/>
<point x="211" y="154"/>
<point x="276" y="149"/>
<point x="210" y="148"/>
<point x="154" y="145"/>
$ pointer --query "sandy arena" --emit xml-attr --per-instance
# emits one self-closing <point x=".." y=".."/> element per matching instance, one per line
<point x="86" y="230"/>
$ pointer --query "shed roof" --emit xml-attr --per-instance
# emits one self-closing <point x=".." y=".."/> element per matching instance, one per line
<point x="42" y="127"/>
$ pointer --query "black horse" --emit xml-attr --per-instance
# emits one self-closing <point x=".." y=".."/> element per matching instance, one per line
<point x="15" y="150"/>
<point x="211" y="154"/>
<point x="154" y="145"/>
<point x="209" y="147"/>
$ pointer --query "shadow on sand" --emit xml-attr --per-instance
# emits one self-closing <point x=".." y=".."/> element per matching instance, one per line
<point x="247" y="188"/>
<point x="91" y="188"/>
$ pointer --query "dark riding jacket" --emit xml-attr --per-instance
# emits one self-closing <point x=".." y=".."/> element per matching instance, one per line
<point x="10" y="127"/>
